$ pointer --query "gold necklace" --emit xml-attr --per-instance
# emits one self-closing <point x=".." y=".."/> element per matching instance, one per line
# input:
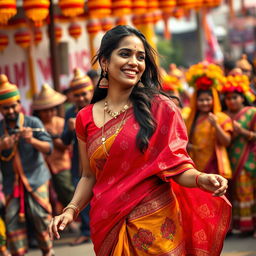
<point x="112" y="113"/>
<point x="103" y="138"/>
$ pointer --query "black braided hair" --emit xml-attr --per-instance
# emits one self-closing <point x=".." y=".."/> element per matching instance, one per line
<point x="141" y="97"/>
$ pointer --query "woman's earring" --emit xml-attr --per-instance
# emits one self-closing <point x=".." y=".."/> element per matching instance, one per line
<point x="140" y="84"/>
<point x="103" y="81"/>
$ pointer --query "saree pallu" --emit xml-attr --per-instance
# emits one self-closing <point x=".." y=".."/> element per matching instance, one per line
<point x="242" y="155"/>
<point x="208" y="155"/>
<point x="136" y="209"/>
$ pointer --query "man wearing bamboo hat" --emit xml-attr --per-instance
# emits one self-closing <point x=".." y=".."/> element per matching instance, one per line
<point x="81" y="90"/>
<point x="25" y="175"/>
<point x="44" y="106"/>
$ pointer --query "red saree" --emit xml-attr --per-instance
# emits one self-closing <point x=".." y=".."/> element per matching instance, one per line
<point x="128" y="179"/>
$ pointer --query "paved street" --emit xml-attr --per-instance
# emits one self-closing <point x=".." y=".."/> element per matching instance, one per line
<point x="234" y="246"/>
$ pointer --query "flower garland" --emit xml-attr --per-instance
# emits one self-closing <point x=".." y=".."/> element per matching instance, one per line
<point x="171" y="83"/>
<point x="205" y="75"/>
<point x="238" y="83"/>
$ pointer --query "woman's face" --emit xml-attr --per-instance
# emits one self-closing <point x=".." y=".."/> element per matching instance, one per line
<point x="234" y="101"/>
<point x="127" y="62"/>
<point x="205" y="102"/>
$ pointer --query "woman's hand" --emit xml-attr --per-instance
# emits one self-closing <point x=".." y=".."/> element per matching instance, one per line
<point x="237" y="128"/>
<point x="213" y="119"/>
<point x="60" y="222"/>
<point x="213" y="183"/>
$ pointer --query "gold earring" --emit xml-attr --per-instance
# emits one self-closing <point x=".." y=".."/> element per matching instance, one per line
<point x="103" y="81"/>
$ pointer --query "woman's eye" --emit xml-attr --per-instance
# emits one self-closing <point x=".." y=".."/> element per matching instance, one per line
<point x="124" y="54"/>
<point x="141" y="57"/>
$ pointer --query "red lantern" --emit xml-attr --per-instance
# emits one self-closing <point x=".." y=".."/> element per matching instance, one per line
<point x="211" y="3"/>
<point x="139" y="6"/>
<point x="146" y="18"/>
<point x="75" y="30"/>
<point x="178" y="13"/>
<point x="71" y="8"/>
<point x="188" y="4"/>
<point x="4" y="41"/>
<point x="107" y="24"/>
<point x="93" y="26"/>
<point x="99" y="8"/>
<point x="121" y="21"/>
<point x="23" y="38"/>
<point x="153" y="5"/>
<point x="58" y="33"/>
<point x="157" y="16"/>
<point x="38" y="36"/>
<point x="121" y="7"/>
<point x="36" y="10"/>
<point x="7" y="10"/>
<point x="136" y="20"/>
<point x="166" y="6"/>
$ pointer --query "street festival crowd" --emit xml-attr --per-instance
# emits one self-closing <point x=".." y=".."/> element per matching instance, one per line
<point x="39" y="153"/>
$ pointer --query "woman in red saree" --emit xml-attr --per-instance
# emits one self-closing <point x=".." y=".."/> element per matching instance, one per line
<point x="135" y="165"/>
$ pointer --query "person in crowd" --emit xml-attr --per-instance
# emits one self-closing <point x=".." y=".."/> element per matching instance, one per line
<point x="25" y="174"/>
<point x="242" y="151"/>
<point x="45" y="106"/>
<point x="94" y="75"/>
<point x="81" y="89"/>
<point x="3" y="249"/>
<point x="209" y="129"/>
<point x="247" y="69"/>
<point x="132" y="142"/>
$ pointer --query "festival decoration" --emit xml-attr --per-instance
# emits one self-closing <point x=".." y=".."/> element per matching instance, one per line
<point x="71" y="8"/>
<point x="99" y="8"/>
<point x="152" y="5"/>
<point x="157" y="16"/>
<point x="188" y="4"/>
<point x="58" y="33"/>
<point x="4" y="41"/>
<point x="106" y="24"/>
<point x="75" y="30"/>
<point x="93" y="27"/>
<point x="23" y="38"/>
<point x="238" y="83"/>
<point x="166" y="6"/>
<point x="205" y="76"/>
<point x="121" y="21"/>
<point x="38" y="36"/>
<point x="121" y="7"/>
<point x="211" y="3"/>
<point x="139" y="6"/>
<point x="7" y="10"/>
<point x="36" y="10"/>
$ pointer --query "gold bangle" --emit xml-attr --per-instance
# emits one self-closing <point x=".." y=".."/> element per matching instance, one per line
<point x="196" y="179"/>
<point x="73" y="207"/>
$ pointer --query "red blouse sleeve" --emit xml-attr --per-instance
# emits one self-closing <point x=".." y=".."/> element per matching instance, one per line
<point x="82" y="120"/>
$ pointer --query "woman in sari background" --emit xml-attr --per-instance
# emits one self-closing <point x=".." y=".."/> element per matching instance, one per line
<point x="209" y="129"/>
<point x="242" y="151"/>
<point x="136" y="172"/>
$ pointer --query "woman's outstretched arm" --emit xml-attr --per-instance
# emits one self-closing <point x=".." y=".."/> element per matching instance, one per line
<point x="81" y="198"/>
<point x="210" y="182"/>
